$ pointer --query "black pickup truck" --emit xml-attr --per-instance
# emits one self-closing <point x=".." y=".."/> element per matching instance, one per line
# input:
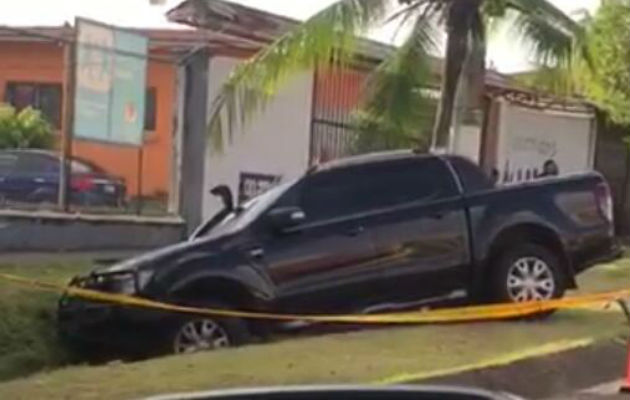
<point x="364" y="234"/>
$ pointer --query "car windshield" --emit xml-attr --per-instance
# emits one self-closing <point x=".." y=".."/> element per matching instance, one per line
<point x="244" y="214"/>
<point x="80" y="167"/>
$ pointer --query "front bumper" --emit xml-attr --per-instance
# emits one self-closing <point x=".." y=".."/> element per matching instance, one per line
<point x="107" y="326"/>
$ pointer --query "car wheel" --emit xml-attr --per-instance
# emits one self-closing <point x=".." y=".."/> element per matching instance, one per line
<point x="527" y="273"/>
<point x="192" y="334"/>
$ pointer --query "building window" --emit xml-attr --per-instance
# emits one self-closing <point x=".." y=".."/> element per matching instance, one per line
<point x="43" y="97"/>
<point x="150" y="109"/>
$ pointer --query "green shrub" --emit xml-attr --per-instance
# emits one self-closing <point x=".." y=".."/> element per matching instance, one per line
<point x="26" y="129"/>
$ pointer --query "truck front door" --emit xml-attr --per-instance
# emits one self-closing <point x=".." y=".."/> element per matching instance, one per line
<point x="420" y="230"/>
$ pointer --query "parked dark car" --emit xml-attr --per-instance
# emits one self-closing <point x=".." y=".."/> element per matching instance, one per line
<point x="364" y="234"/>
<point x="32" y="176"/>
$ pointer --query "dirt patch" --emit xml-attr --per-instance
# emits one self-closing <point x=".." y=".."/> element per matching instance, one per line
<point x="554" y="375"/>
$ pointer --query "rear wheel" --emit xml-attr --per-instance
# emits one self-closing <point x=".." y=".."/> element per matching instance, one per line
<point x="526" y="273"/>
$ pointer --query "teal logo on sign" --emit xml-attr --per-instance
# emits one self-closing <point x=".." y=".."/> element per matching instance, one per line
<point x="110" y="84"/>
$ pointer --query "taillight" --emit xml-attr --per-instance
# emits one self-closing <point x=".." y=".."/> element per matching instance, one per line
<point x="604" y="201"/>
<point x="82" y="184"/>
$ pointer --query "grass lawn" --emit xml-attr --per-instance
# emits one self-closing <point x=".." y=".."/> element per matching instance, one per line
<point x="377" y="355"/>
<point x="28" y="341"/>
<point x="386" y="355"/>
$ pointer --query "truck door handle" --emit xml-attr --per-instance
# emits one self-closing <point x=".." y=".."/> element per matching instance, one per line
<point x="256" y="253"/>
<point x="437" y="215"/>
<point x="356" y="231"/>
<point x="39" y="180"/>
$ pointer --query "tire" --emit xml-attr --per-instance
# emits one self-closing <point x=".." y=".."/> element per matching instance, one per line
<point x="186" y="332"/>
<point x="527" y="272"/>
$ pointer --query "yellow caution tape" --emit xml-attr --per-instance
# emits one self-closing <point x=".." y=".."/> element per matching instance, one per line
<point x="461" y="314"/>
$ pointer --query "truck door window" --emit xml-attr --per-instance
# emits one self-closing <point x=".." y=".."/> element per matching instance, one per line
<point x="331" y="194"/>
<point x="471" y="176"/>
<point x="400" y="182"/>
<point x="360" y="189"/>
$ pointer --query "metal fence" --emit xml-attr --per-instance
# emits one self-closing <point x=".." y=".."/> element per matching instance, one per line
<point x="336" y="96"/>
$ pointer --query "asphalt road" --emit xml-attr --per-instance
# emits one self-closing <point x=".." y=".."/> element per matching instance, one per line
<point x="608" y="391"/>
<point x="584" y="373"/>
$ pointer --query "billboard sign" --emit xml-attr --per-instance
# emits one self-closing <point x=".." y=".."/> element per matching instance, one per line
<point x="254" y="184"/>
<point x="110" y="84"/>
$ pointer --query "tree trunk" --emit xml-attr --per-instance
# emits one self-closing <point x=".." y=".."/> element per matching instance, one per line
<point x="458" y="30"/>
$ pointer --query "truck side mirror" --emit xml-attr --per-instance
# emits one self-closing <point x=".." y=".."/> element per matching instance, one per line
<point x="284" y="218"/>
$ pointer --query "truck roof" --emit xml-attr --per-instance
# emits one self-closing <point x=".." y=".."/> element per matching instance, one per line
<point x="370" y="158"/>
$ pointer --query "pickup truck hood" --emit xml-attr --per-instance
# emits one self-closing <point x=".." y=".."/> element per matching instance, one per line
<point x="166" y="255"/>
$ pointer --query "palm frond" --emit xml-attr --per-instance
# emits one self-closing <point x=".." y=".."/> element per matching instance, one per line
<point x="328" y="36"/>
<point x="409" y="9"/>
<point x="559" y="81"/>
<point x="546" y="9"/>
<point x="404" y="16"/>
<point x="548" y="44"/>
<point x="397" y="111"/>
<point x="552" y="35"/>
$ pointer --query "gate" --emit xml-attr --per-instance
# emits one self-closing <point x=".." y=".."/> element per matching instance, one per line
<point x="336" y="95"/>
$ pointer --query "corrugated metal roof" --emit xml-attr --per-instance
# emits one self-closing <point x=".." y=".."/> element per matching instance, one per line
<point x="169" y="40"/>
<point x="50" y="33"/>
<point x="259" y="26"/>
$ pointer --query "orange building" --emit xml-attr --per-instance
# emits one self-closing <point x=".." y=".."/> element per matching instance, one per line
<point x="32" y="73"/>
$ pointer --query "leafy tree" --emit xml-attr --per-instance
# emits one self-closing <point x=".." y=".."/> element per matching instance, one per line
<point x="330" y="36"/>
<point x="24" y="129"/>
<point x="607" y="83"/>
<point x="600" y="67"/>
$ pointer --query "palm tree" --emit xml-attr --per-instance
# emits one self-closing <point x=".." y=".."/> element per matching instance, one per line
<point x="330" y="37"/>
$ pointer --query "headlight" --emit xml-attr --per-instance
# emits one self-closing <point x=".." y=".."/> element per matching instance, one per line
<point x="144" y="277"/>
<point x="123" y="284"/>
<point x="126" y="283"/>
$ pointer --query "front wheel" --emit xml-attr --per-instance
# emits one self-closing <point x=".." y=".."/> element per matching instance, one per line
<point x="193" y="334"/>
<point x="527" y="273"/>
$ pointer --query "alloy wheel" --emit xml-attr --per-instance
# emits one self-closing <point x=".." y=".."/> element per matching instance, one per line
<point x="200" y="335"/>
<point x="530" y="279"/>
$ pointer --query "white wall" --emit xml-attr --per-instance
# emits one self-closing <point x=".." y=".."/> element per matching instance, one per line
<point x="467" y="142"/>
<point x="529" y="137"/>
<point x="275" y="143"/>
